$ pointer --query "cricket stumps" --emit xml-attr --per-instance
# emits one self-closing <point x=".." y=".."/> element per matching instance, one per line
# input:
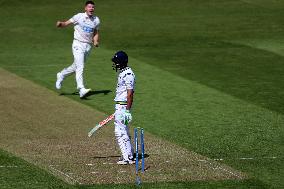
<point x="142" y="151"/>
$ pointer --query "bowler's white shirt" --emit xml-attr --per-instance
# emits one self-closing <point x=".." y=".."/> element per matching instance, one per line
<point x="125" y="80"/>
<point x="84" y="27"/>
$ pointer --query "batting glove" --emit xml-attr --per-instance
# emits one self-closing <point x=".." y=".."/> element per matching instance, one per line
<point x="127" y="117"/>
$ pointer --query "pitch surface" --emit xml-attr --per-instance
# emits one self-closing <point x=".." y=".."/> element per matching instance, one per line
<point x="50" y="131"/>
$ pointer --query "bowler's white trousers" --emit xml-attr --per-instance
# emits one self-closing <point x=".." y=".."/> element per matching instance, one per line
<point x="80" y="52"/>
<point x="122" y="133"/>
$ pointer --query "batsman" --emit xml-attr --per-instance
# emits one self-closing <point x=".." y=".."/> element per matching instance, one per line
<point x="123" y="102"/>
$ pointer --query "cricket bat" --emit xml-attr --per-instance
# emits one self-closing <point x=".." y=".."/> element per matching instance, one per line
<point x="102" y="123"/>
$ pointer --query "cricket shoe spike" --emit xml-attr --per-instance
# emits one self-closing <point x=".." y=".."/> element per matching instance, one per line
<point x="59" y="81"/>
<point x="83" y="92"/>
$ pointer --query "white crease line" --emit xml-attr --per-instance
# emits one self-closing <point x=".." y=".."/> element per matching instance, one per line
<point x="230" y="172"/>
<point x="226" y="170"/>
<point x="76" y="181"/>
<point x="218" y="167"/>
<point x="107" y="163"/>
<point x="94" y="172"/>
<point x="97" y="172"/>
<point x="8" y="166"/>
<point x="244" y="158"/>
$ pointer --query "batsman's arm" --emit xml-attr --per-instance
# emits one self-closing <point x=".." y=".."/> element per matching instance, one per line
<point x="96" y="38"/>
<point x="63" y="24"/>
<point x="130" y="94"/>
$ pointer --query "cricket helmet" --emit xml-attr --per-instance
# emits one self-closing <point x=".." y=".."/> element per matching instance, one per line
<point x="120" y="60"/>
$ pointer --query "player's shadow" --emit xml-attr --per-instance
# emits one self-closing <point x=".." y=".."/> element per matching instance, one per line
<point x="117" y="156"/>
<point x="140" y="159"/>
<point x="140" y="156"/>
<point x="105" y="157"/>
<point x="91" y="93"/>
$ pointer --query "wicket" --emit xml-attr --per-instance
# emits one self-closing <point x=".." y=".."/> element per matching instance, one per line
<point x="136" y="141"/>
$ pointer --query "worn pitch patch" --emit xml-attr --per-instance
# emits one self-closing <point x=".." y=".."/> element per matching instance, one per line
<point x="51" y="131"/>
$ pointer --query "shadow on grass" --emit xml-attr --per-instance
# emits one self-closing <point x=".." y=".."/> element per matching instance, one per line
<point x="117" y="156"/>
<point x="91" y="93"/>
<point x="106" y="157"/>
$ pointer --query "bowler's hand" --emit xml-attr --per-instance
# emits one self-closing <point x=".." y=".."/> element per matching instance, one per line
<point x="58" y="24"/>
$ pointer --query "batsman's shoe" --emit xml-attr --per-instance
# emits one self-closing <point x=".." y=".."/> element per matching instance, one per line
<point x="132" y="158"/>
<point x="59" y="81"/>
<point x="125" y="162"/>
<point x="83" y="92"/>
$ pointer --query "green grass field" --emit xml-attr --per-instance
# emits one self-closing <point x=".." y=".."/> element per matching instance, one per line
<point x="209" y="77"/>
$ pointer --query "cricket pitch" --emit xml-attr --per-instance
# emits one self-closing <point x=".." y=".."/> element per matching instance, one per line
<point x="50" y="131"/>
